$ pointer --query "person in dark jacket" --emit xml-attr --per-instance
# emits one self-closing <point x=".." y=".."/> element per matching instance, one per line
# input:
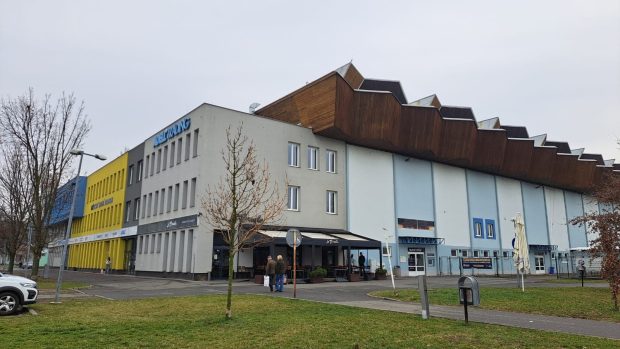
<point x="361" y="263"/>
<point x="280" y="270"/>
<point x="270" y="270"/>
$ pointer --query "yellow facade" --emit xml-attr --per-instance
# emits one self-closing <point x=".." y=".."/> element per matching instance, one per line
<point x="103" y="212"/>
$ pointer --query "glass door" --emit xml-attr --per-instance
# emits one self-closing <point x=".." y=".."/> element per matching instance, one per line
<point x="416" y="263"/>
<point x="539" y="264"/>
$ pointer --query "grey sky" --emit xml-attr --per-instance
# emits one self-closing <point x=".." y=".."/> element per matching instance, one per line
<point x="552" y="66"/>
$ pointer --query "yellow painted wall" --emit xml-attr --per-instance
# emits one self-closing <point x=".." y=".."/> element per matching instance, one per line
<point x="103" y="212"/>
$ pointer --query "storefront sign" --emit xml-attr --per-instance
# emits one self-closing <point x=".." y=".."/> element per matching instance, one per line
<point x="172" y="131"/>
<point x="477" y="263"/>
<point x="113" y="234"/>
<point x="415" y="249"/>
<point x="101" y="203"/>
<point x="171" y="224"/>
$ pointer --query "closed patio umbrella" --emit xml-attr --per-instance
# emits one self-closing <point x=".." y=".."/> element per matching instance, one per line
<point x="521" y="250"/>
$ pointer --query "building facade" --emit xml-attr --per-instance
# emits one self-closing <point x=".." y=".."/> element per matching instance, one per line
<point x="360" y="166"/>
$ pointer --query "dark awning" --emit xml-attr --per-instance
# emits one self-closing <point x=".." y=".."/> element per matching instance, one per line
<point x="324" y="238"/>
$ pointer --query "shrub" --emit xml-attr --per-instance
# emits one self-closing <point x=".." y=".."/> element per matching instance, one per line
<point x="318" y="272"/>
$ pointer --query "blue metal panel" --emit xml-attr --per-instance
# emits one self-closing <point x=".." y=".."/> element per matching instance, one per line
<point x="535" y="214"/>
<point x="574" y="208"/>
<point x="482" y="199"/>
<point x="62" y="205"/>
<point x="413" y="185"/>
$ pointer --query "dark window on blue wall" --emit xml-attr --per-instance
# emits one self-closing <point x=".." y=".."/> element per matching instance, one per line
<point x="490" y="228"/>
<point x="478" y="229"/>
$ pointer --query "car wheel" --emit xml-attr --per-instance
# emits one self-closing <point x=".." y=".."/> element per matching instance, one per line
<point x="9" y="303"/>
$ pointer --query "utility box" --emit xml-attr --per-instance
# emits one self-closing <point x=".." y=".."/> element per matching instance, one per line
<point x="469" y="290"/>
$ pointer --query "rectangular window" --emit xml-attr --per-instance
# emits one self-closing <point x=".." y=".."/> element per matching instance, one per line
<point x="188" y="141"/>
<point x="464" y="253"/>
<point x="504" y="254"/>
<point x="148" y="205"/>
<point x="130" y="179"/>
<point x="169" y="207"/>
<point x="127" y="211"/>
<point x="495" y="253"/>
<point x="313" y="155"/>
<point x="152" y="164"/>
<point x="136" y="209"/>
<point x="485" y="253"/>
<point x="140" y="243"/>
<point x="164" y="161"/>
<point x="453" y="253"/>
<point x="176" y="196"/>
<point x="293" y="154"/>
<point x="146" y="244"/>
<point x="145" y="202"/>
<point x="490" y="228"/>
<point x="476" y="253"/>
<point x="163" y="201"/>
<point x="156" y="203"/>
<point x="478" y="228"/>
<point x="331" y="161"/>
<point x="293" y="198"/>
<point x="172" y="152"/>
<point x="159" y="243"/>
<point x="332" y="198"/>
<point x="153" y="243"/>
<point x="140" y="163"/>
<point x="158" y="160"/>
<point x="179" y="150"/>
<point x="192" y="193"/>
<point x="195" y="147"/>
<point x="184" y="199"/>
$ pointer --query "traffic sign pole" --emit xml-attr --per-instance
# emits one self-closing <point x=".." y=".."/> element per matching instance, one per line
<point x="295" y="269"/>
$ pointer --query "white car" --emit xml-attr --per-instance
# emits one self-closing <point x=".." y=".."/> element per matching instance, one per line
<point x="15" y="292"/>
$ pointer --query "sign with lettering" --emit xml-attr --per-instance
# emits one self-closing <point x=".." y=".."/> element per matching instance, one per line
<point x="101" y="204"/>
<point x="171" y="224"/>
<point x="415" y="249"/>
<point x="477" y="263"/>
<point x="172" y="131"/>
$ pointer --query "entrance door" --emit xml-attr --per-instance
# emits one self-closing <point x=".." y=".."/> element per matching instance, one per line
<point x="220" y="263"/>
<point x="416" y="261"/>
<point x="539" y="264"/>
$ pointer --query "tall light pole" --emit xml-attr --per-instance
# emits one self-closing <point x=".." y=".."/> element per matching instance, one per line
<point x="389" y="252"/>
<point x="65" y="242"/>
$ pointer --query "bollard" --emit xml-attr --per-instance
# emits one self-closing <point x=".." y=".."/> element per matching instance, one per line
<point x="423" y="296"/>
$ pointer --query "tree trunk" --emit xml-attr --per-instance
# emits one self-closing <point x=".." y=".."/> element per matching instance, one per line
<point x="231" y="258"/>
<point x="35" y="267"/>
<point x="11" y="264"/>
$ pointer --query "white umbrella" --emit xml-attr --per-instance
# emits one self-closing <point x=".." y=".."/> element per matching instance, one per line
<point x="521" y="250"/>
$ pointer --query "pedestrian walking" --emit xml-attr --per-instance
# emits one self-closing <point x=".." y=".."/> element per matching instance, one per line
<point x="270" y="272"/>
<point x="280" y="270"/>
<point x="108" y="265"/>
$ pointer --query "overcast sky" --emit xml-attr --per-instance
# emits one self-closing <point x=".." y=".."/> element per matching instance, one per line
<point x="552" y="66"/>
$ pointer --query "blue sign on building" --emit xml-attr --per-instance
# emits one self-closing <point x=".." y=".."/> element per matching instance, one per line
<point x="172" y="131"/>
<point x="62" y="204"/>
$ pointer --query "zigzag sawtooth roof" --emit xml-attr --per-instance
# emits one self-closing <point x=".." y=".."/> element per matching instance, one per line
<point x="334" y="106"/>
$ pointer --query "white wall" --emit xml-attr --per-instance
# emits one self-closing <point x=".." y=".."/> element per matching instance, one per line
<point x="452" y="217"/>
<point x="556" y="218"/>
<point x="371" y="192"/>
<point x="510" y="202"/>
<point x="590" y="205"/>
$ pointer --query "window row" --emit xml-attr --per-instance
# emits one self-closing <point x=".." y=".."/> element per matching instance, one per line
<point x="175" y="249"/>
<point x="106" y="186"/>
<point x="484" y="228"/>
<point x="164" y="200"/>
<point x="103" y="218"/>
<point x="293" y="197"/>
<point x="479" y="253"/>
<point x="313" y="157"/>
<point x="169" y="155"/>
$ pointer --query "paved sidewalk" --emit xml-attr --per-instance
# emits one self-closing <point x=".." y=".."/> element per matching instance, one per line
<point x="602" y="329"/>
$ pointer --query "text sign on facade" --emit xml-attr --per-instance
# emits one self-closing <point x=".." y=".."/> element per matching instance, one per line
<point x="477" y="263"/>
<point x="172" y="131"/>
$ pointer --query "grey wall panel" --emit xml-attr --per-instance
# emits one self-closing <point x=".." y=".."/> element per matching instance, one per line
<point x="482" y="200"/>
<point x="413" y="182"/>
<point x="574" y="208"/>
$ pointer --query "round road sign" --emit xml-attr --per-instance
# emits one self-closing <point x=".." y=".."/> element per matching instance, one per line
<point x="293" y="237"/>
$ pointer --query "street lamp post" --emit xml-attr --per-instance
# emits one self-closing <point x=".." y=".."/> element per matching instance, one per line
<point x="65" y="242"/>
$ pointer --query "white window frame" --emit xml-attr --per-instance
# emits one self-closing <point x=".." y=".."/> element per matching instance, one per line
<point x="478" y="229"/>
<point x="490" y="231"/>
<point x="331" y="158"/>
<point x="293" y="154"/>
<point x="292" y="203"/>
<point x="332" y="202"/>
<point x="313" y="158"/>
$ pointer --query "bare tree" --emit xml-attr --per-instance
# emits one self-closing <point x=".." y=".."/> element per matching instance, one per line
<point x="607" y="224"/>
<point x="14" y="201"/>
<point x="44" y="131"/>
<point x="243" y="201"/>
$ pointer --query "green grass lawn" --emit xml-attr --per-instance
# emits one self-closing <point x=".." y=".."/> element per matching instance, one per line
<point x="578" y="302"/>
<point x="259" y="322"/>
